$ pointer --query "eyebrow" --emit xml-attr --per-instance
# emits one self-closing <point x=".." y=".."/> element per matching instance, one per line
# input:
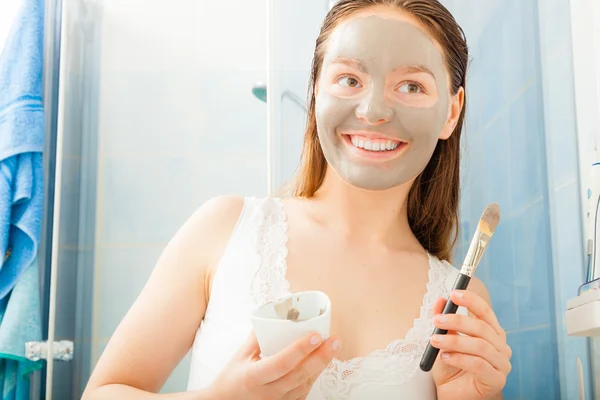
<point x="356" y="64"/>
<point x="351" y="63"/>
<point x="413" y="69"/>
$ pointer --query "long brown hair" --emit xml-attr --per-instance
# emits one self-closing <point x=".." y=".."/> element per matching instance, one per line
<point x="434" y="197"/>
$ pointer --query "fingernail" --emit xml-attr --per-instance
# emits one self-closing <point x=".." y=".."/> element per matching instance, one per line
<point x="459" y="295"/>
<point x="442" y="319"/>
<point x="337" y="345"/>
<point x="316" y="339"/>
<point x="438" y="338"/>
<point x="446" y="355"/>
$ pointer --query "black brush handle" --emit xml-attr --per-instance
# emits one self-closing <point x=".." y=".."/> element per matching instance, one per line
<point x="431" y="353"/>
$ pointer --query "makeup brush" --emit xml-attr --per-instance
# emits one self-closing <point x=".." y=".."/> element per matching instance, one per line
<point x="485" y="229"/>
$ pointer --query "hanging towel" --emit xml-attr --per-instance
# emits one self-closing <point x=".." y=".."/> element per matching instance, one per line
<point x="20" y="322"/>
<point x="21" y="143"/>
<point x="21" y="195"/>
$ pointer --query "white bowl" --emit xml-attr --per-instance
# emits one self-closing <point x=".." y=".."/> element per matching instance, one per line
<point x="279" y="323"/>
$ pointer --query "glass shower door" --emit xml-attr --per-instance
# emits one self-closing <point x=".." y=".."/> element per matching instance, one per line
<point x="156" y="116"/>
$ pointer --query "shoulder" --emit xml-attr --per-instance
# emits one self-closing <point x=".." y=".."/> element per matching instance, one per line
<point x="207" y="229"/>
<point x="217" y="208"/>
<point x="478" y="287"/>
<point x="215" y="220"/>
<point x="475" y="285"/>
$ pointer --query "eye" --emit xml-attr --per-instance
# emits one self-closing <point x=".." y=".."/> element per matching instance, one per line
<point x="411" y="88"/>
<point x="349" y="81"/>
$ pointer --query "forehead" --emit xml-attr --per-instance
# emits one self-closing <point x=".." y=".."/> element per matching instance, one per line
<point x="386" y="41"/>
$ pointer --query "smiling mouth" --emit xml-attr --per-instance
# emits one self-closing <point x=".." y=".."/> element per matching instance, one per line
<point x="374" y="144"/>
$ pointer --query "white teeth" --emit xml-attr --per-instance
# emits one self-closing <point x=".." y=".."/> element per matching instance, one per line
<point x="373" y="145"/>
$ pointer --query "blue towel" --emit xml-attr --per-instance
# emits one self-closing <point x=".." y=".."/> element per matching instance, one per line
<point x="21" y="195"/>
<point x="20" y="322"/>
<point x="21" y="143"/>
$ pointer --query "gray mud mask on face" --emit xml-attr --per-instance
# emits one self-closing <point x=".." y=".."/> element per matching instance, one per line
<point x="381" y="45"/>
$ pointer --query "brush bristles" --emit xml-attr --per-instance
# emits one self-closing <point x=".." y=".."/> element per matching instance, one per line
<point x="489" y="219"/>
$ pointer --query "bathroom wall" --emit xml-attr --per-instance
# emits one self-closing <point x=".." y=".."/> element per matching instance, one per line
<point x="504" y="162"/>
<point x="521" y="152"/>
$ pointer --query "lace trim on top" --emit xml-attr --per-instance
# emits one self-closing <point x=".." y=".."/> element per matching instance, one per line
<point x="397" y="363"/>
<point x="269" y="282"/>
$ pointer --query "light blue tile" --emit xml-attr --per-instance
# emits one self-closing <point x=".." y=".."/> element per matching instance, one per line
<point x="539" y="366"/>
<point x="554" y="22"/>
<point x="526" y="162"/>
<point x="232" y="173"/>
<point x="501" y="275"/>
<point x="182" y="111"/>
<point x="519" y="44"/>
<point x="123" y="272"/>
<point x="488" y="69"/>
<point x="560" y="125"/>
<point x="533" y="267"/>
<point x="512" y="390"/>
<point x="146" y="199"/>
<point x="496" y="182"/>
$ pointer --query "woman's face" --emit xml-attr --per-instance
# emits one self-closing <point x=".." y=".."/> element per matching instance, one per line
<point x="382" y="100"/>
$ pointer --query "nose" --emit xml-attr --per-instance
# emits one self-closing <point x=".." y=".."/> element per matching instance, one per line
<point x="374" y="109"/>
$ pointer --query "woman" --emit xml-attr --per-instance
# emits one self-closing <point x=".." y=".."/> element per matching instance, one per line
<point x="371" y="223"/>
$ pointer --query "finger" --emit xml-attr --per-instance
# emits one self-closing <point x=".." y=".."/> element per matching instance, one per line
<point x="478" y="307"/>
<point x="438" y="307"/>
<point x="274" y="367"/>
<point x="474" y="347"/>
<point x="310" y="368"/>
<point x="470" y="326"/>
<point x="482" y="371"/>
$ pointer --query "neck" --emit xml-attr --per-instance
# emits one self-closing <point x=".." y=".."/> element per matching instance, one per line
<point x="366" y="214"/>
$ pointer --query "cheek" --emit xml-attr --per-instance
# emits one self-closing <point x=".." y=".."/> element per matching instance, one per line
<point x="331" y="112"/>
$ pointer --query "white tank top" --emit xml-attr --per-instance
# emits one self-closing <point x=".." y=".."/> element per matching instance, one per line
<point x="252" y="271"/>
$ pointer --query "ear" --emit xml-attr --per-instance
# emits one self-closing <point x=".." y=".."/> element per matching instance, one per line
<point x="456" y="105"/>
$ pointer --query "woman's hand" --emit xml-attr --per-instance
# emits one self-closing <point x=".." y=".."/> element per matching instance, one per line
<point x="475" y="366"/>
<point x="287" y="375"/>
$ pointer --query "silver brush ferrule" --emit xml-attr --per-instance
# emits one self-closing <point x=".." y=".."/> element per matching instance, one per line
<point x="474" y="254"/>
